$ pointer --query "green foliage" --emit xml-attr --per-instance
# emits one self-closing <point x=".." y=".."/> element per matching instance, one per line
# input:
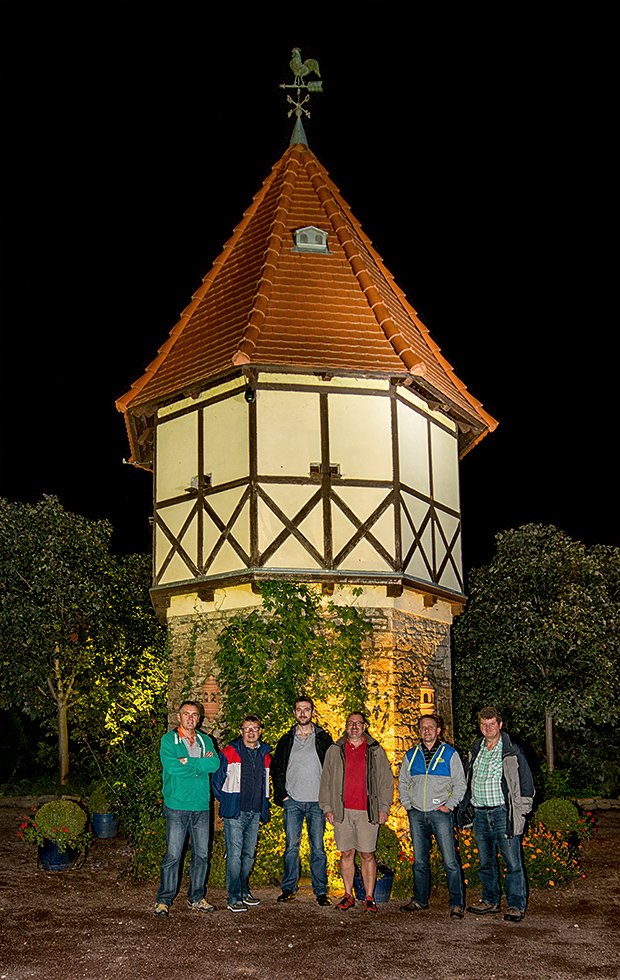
<point x="268" y="865"/>
<point x="129" y="670"/>
<point x="132" y="777"/>
<point x="552" y="784"/>
<point x="61" y="821"/>
<point x="150" y="845"/>
<point x="99" y="800"/>
<point x="77" y="632"/>
<point x="388" y="853"/>
<point x="540" y="635"/>
<point x="296" y="643"/>
<point x="562" y="815"/>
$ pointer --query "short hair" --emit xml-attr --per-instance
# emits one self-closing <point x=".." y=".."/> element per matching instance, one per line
<point x="193" y="704"/>
<point x="303" y="697"/>
<point x="431" y="718"/>
<point x="360" y="713"/>
<point x="253" y="718"/>
<point x="488" y="713"/>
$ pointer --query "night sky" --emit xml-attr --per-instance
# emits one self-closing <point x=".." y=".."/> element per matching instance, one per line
<point x="477" y="143"/>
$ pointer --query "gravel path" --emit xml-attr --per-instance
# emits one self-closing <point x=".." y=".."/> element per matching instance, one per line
<point x="86" y="924"/>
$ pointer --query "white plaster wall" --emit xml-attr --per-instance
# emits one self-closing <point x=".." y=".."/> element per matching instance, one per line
<point x="445" y="467"/>
<point x="226" y="440"/>
<point x="177" y="455"/>
<point x="413" y="449"/>
<point x="289" y="432"/>
<point x="360" y="436"/>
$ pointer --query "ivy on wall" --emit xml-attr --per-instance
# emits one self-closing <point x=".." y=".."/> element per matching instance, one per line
<point x="298" y="642"/>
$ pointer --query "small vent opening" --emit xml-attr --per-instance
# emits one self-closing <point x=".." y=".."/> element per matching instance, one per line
<point x="310" y="239"/>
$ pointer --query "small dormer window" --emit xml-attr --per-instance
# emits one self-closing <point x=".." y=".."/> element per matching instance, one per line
<point x="310" y="239"/>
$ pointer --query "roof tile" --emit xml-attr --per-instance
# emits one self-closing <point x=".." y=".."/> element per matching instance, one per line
<point x="265" y="303"/>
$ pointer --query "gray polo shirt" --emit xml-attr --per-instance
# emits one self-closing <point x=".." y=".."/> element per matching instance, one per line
<point x="303" y="773"/>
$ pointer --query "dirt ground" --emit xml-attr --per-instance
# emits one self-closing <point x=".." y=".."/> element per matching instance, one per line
<point x="84" y="923"/>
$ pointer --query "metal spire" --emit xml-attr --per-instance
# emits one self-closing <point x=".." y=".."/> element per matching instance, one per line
<point x="300" y="70"/>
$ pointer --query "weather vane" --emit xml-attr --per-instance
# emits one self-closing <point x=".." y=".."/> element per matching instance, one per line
<point x="300" y="69"/>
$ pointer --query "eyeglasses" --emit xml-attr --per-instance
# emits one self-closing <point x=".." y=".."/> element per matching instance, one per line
<point x="355" y="724"/>
<point x="250" y="729"/>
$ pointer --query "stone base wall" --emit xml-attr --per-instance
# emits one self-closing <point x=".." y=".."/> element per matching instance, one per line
<point x="404" y="649"/>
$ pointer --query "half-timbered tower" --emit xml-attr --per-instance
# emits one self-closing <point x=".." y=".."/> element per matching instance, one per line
<point x="301" y="424"/>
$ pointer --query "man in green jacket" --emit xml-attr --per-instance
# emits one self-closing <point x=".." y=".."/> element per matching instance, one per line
<point x="188" y="758"/>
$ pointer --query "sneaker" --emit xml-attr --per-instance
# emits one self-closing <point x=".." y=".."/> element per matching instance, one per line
<point x="514" y="915"/>
<point x="456" y="912"/>
<point x="369" y="905"/>
<point x="346" y="902"/>
<point x="237" y="907"/>
<point x="161" y="910"/>
<point x="286" y="896"/>
<point x="201" y="906"/>
<point x="483" y="908"/>
<point x="413" y="907"/>
<point x="250" y="900"/>
<point x="324" y="900"/>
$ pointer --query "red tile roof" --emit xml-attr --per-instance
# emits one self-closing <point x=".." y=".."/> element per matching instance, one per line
<point x="265" y="304"/>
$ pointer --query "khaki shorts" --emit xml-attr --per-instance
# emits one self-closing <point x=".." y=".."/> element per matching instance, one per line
<point x="356" y="831"/>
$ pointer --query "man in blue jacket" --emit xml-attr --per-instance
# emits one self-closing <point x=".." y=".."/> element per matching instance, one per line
<point x="187" y="757"/>
<point x="430" y="785"/>
<point x="241" y="786"/>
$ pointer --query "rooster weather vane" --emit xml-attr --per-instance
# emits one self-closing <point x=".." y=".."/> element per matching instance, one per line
<point x="300" y="70"/>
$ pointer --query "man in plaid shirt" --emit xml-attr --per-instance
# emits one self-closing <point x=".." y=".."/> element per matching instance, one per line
<point x="501" y="790"/>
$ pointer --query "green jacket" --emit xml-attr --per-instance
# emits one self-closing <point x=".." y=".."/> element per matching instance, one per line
<point x="186" y="786"/>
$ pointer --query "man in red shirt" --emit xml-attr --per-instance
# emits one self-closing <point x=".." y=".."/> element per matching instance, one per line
<point x="357" y="790"/>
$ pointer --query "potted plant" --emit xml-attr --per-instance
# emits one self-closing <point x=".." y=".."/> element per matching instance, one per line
<point x="59" y="830"/>
<point x="103" y="818"/>
<point x="387" y="856"/>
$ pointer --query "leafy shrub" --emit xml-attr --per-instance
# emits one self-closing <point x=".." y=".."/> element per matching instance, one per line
<point x="558" y="815"/>
<point x="62" y="822"/>
<point x="554" y="784"/>
<point x="99" y="801"/>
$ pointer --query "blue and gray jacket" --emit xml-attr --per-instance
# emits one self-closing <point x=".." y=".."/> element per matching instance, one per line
<point x="441" y="783"/>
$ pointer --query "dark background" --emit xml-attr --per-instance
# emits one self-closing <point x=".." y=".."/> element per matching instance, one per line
<point x="477" y="143"/>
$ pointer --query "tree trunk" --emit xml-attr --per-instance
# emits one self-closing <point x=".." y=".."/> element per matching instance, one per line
<point x="60" y="693"/>
<point x="63" y="742"/>
<point x="549" y="740"/>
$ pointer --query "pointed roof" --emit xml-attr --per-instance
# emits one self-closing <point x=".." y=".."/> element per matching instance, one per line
<point x="266" y="304"/>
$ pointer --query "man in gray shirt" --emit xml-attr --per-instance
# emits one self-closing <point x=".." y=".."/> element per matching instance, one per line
<point x="296" y="770"/>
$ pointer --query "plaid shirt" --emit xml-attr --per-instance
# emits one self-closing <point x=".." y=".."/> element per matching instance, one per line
<point x="486" y="780"/>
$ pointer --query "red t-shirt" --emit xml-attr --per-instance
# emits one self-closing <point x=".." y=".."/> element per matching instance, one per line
<point x="355" y="797"/>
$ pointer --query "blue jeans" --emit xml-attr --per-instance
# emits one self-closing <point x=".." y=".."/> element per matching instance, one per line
<point x="425" y="824"/>
<point x="240" y="836"/>
<point x="490" y="833"/>
<point x="294" y="813"/>
<point x="178" y="822"/>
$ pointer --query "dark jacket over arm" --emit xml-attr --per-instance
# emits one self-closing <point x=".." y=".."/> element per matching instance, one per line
<point x="279" y="762"/>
